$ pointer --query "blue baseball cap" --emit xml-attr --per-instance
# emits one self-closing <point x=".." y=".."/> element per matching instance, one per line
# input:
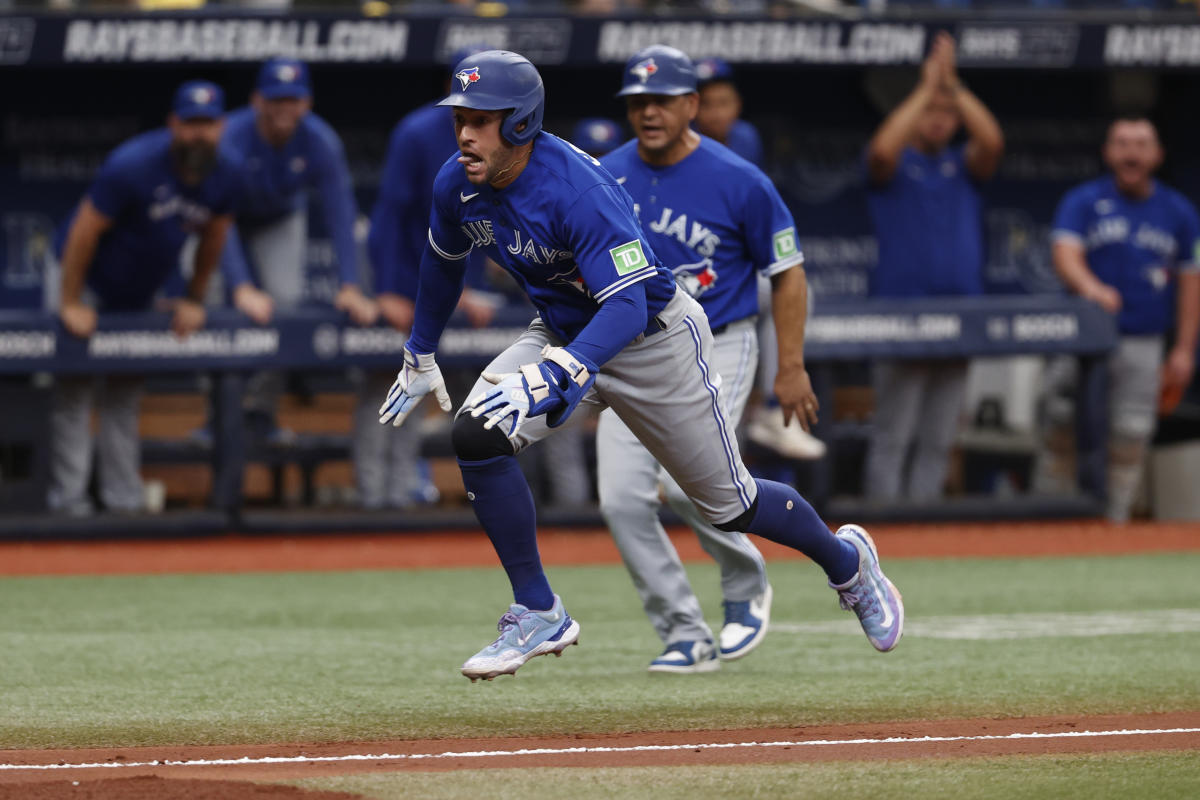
<point x="713" y="69"/>
<point x="199" y="100"/>
<point x="658" y="69"/>
<point x="596" y="136"/>
<point x="283" y="77"/>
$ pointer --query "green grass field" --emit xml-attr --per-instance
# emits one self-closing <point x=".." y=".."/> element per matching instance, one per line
<point x="192" y="659"/>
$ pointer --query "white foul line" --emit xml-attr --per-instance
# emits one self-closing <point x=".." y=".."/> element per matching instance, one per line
<point x="554" y="751"/>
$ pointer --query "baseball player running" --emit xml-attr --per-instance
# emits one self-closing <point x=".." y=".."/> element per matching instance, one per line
<point x="611" y="331"/>
<point x="715" y="220"/>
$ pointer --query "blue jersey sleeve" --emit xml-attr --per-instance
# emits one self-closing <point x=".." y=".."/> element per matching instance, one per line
<point x="607" y="242"/>
<point x="446" y="235"/>
<point x="770" y="229"/>
<point x="1188" y="237"/>
<point x="114" y="188"/>
<point x="1070" y="218"/>
<point x="337" y="198"/>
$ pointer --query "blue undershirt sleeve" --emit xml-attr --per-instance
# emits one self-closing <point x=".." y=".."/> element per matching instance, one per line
<point x="437" y="294"/>
<point x="620" y="320"/>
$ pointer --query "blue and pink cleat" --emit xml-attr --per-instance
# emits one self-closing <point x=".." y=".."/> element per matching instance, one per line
<point x="869" y="594"/>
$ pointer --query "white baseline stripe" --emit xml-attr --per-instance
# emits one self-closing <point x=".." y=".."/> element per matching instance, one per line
<point x="1023" y="626"/>
<point x="553" y="751"/>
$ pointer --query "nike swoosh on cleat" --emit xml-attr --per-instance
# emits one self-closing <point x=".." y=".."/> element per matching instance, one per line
<point x="466" y="197"/>
<point x="888" y="617"/>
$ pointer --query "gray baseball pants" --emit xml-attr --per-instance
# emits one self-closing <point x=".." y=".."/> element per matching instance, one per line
<point x="629" y="477"/>
<point x="665" y="388"/>
<point x="917" y="406"/>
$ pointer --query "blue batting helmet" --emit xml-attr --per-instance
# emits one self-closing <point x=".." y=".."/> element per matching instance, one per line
<point x="596" y="136"/>
<point x="658" y="69"/>
<point x="497" y="80"/>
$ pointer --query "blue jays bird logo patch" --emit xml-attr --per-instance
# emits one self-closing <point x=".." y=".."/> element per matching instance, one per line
<point x="644" y="69"/>
<point x="467" y="76"/>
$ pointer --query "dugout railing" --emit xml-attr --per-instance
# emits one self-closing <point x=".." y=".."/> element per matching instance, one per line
<point x="33" y="347"/>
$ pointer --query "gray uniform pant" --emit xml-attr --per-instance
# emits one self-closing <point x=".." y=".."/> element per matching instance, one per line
<point x="276" y="252"/>
<point x="628" y="486"/>
<point x="118" y="448"/>
<point x="1134" y="377"/>
<point x="665" y="388"/>
<point x="385" y="457"/>
<point x="917" y="405"/>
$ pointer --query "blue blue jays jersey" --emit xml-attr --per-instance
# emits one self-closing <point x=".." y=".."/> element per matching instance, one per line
<point x="713" y="216"/>
<point x="277" y="181"/>
<point x="564" y="229"/>
<point x="929" y="222"/>
<point x="745" y="141"/>
<point x="1135" y="246"/>
<point x="153" y="214"/>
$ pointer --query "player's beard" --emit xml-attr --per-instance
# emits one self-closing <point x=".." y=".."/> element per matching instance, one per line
<point x="195" y="160"/>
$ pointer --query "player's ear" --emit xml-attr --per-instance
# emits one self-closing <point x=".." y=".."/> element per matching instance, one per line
<point x="693" y="104"/>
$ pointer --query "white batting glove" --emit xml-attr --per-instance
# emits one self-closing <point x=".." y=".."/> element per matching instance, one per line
<point x="419" y="377"/>
<point x="506" y="404"/>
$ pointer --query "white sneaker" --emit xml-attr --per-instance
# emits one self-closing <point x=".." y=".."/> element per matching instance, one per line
<point x="766" y="428"/>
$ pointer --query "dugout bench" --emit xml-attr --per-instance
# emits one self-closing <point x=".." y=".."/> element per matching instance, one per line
<point x="230" y="348"/>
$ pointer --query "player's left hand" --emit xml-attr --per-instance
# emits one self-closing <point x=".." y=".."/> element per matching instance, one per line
<point x="1176" y="375"/>
<point x="188" y="317"/>
<point x="553" y="387"/>
<point x="362" y="309"/>
<point x="796" y="396"/>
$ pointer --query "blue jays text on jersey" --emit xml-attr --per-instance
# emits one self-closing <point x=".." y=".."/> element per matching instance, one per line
<point x="277" y="181"/>
<point x="153" y="214"/>
<point x="1135" y="246"/>
<point x="563" y="229"/>
<point x="715" y="217"/>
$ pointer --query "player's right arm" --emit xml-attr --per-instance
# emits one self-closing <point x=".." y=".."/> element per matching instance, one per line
<point x="443" y="270"/>
<point x="1069" y="252"/>
<point x="86" y="229"/>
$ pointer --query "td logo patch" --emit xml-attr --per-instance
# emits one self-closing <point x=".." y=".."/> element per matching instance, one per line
<point x="785" y="244"/>
<point x="629" y="257"/>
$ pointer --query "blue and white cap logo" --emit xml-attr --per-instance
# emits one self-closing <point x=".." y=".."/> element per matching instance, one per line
<point x="287" y="73"/>
<point x="467" y="76"/>
<point x="644" y="69"/>
<point x="202" y="95"/>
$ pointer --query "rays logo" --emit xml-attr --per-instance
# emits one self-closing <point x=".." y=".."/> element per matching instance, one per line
<point x="467" y="76"/>
<point x="644" y="69"/>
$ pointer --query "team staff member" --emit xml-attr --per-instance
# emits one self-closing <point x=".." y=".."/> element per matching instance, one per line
<point x="925" y="205"/>
<point x="718" y="223"/>
<point x="612" y="330"/>
<point x="387" y="464"/>
<point x="719" y="115"/>
<point x="287" y="151"/>
<point x="123" y="243"/>
<point x="1128" y="243"/>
